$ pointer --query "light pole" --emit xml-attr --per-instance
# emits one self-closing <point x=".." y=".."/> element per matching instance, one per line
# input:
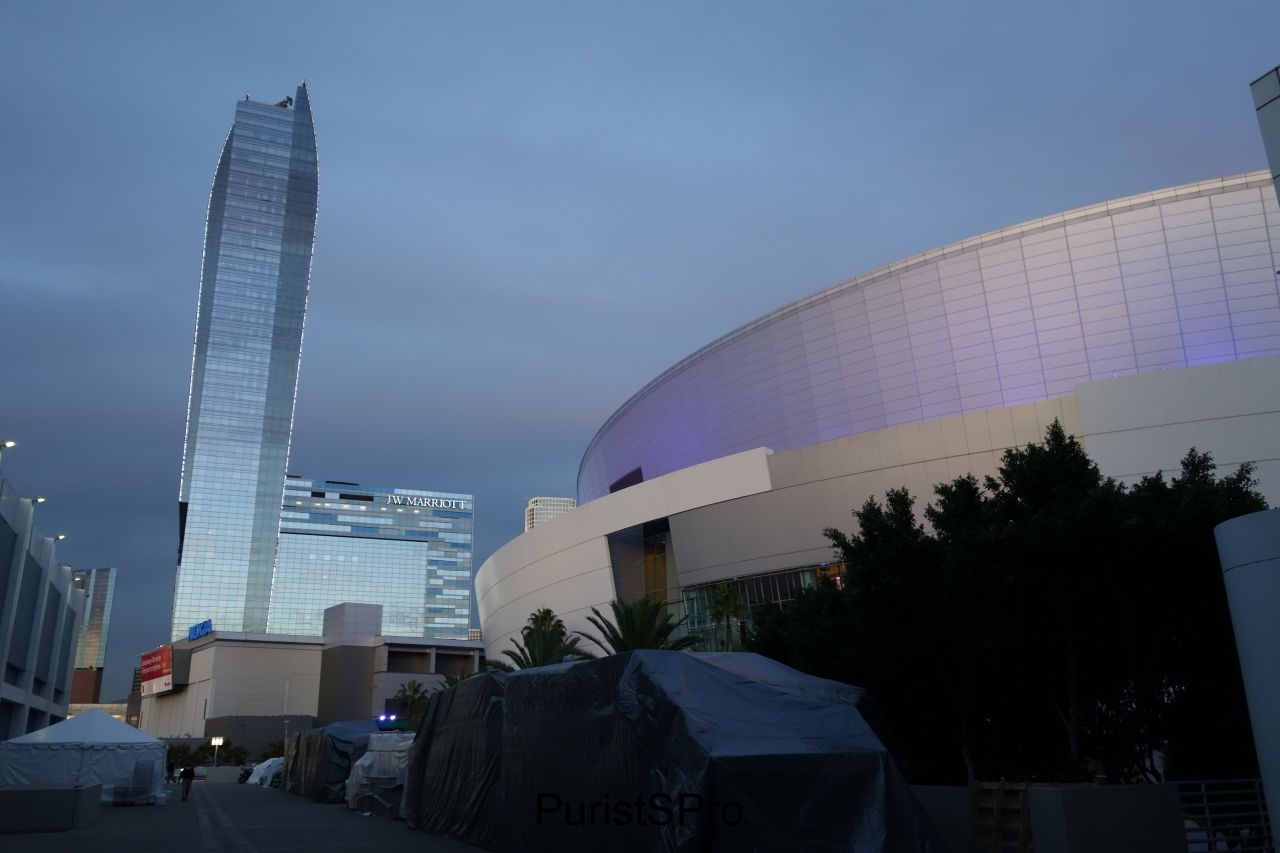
<point x="217" y="742"/>
<point x="5" y="444"/>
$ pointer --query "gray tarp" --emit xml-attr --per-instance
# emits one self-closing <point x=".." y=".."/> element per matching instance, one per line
<point x="661" y="751"/>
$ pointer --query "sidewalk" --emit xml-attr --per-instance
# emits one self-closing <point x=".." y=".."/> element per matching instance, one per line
<point x="237" y="819"/>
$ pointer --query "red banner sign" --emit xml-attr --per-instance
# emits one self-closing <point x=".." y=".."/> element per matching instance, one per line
<point x="157" y="671"/>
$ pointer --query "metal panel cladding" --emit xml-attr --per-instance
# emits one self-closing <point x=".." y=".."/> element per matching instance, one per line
<point x="1156" y="281"/>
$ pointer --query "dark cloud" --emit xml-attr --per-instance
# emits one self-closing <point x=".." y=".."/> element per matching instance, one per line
<point x="528" y="210"/>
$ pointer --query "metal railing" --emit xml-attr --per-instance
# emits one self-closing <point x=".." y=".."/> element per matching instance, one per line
<point x="1225" y="815"/>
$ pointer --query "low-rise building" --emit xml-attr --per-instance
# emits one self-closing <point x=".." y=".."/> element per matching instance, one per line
<point x="40" y="613"/>
<point x="254" y="689"/>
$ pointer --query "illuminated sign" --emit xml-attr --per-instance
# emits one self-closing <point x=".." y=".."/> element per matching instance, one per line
<point x="195" y="632"/>
<point x="157" y="671"/>
<point x="434" y="503"/>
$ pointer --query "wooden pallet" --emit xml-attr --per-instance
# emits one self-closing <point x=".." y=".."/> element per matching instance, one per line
<point x="999" y="818"/>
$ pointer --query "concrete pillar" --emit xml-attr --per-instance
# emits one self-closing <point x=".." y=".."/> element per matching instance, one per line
<point x="1249" y="550"/>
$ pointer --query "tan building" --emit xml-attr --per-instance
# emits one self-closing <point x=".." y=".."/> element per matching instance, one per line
<point x="256" y="688"/>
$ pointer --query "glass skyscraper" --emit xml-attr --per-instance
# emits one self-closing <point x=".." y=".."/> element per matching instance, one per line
<point x="248" y="341"/>
<point x="406" y="549"/>
<point x="99" y="586"/>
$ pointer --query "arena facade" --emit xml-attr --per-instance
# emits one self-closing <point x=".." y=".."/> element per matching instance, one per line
<point x="1146" y="325"/>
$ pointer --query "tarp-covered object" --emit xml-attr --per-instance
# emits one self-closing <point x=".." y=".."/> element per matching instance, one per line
<point x="92" y="748"/>
<point x="265" y="771"/>
<point x="326" y="757"/>
<point x="675" y="751"/>
<point x="376" y="783"/>
<point x="294" y="759"/>
<point x="453" y="783"/>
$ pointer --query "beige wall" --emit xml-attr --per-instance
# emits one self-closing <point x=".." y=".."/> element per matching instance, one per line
<point x="1137" y="425"/>
<point x="564" y="564"/>
<point x="757" y="511"/>
<point x="231" y="678"/>
<point x="819" y="486"/>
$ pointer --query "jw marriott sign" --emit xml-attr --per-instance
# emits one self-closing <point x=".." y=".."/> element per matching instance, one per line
<point x="434" y="503"/>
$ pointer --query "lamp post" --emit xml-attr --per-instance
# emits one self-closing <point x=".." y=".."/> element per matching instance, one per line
<point x="217" y="742"/>
<point x="5" y="444"/>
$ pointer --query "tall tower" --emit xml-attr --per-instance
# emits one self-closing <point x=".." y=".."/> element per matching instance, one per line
<point x="253" y="299"/>
<point x="99" y="586"/>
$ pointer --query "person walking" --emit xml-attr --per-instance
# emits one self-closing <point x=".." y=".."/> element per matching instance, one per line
<point x="187" y="774"/>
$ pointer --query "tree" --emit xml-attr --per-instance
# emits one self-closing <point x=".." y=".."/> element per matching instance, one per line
<point x="1189" y="685"/>
<point x="275" y="749"/>
<point x="543" y="640"/>
<point x="233" y="754"/>
<point x="1047" y="624"/>
<point x="640" y="624"/>
<point x="453" y="679"/>
<point x="411" y="700"/>
<point x="181" y="755"/>
<point x="726" y="605"/>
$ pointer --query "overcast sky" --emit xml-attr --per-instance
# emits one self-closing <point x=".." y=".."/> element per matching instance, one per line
<point x="528" y="210"/>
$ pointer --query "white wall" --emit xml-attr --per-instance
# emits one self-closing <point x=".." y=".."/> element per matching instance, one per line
<point x="757" y="511"/>
<point x="564" y="564"/>
<point x="819" y="486"/>
<point x="231" y="677"/>
<point x="1137" y="425"/>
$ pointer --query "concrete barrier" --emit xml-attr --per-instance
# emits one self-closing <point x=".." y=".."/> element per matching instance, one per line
<point x="1075" y="818"/>
<point x="48" y="808"/>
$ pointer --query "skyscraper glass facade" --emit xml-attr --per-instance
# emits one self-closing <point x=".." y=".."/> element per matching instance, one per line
<point x="253" y="296"/>
<point x="408" y="550"/>
<point x="99" y="586"/>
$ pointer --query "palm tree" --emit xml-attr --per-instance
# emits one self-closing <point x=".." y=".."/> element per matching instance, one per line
<point x="411" y="699"/>
<point x="641" y="624"/>
<point x="725" y="606"/>
<point x="544" y="640"/>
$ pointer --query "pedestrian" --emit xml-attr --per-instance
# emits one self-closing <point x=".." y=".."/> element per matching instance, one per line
<point x="187" y="774"/>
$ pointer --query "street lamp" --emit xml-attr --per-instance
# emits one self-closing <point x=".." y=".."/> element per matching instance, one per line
<point x="217" y="742"/>
<point x="60" y="537"/>
<point x="5" y="444"/>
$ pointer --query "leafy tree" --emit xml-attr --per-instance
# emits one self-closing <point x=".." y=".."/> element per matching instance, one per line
<point x="233" y="754"/>
<point x="275" y="749"/>
<point x="1047" y="624"/>
<point x="411" y="700"/>
<point x="726" y="605"/>
<point x="544" y="640"/>
<point x="640" y="624"/>
<point x="1189" y="683"/>
<point x="814" y="633"/>
<point x="181" y="755"/>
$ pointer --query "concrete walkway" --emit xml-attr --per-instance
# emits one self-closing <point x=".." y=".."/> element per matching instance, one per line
<point x="235" y="819"/>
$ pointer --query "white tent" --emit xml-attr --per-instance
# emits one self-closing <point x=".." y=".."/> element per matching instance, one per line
<point x="92" y="748"/>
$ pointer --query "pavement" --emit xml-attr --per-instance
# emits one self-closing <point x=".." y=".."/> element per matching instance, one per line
<point x="237" y="819"/>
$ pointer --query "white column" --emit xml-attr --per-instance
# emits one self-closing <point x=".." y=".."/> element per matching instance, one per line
<point x="1249" y="550"/>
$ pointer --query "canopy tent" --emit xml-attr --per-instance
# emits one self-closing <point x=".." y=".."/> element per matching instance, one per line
<point x="92" y="748"/>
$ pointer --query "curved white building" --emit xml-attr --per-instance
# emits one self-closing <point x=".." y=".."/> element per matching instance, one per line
<point x="1146" y="325"/>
